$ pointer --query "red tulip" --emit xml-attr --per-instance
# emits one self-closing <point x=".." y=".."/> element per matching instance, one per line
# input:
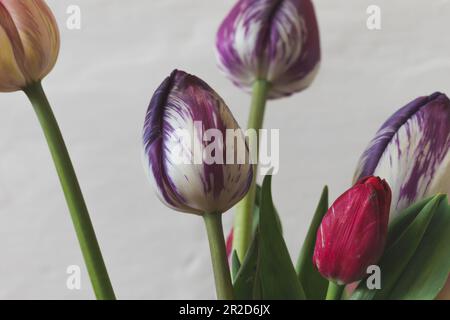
<point x="353" y="233"/>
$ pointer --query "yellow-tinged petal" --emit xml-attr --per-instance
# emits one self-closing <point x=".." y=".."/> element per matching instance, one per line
<point x="11" y="77"/>
<point x="31" y="30"/>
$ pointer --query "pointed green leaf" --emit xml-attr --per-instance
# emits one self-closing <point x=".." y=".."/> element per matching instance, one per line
<point x="246" y="277"/>
<point x="314" y="284"/>
<point x="427" y="272"/>
<point x="276" y="272"/>
<point x="235" y="264"/>
<point x="255" y="223"/>
<point x="398" y="225"/>
<point x="256" y="211"/>
<point x="399" y="253"/>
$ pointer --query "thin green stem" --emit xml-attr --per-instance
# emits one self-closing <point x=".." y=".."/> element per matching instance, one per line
<point x="77" y="207"/>
<point x="334" y="291"/>
<point x="222" y="277"/>
<point x="244" y="215"/>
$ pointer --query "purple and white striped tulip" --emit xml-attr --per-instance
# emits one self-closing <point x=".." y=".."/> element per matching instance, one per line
<point x="181" y="103"/>
<point x="273" y="40"/>
<point x="411" y="151"/>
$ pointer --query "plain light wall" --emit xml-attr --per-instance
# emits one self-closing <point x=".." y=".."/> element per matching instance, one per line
<point x="100" y="89"/>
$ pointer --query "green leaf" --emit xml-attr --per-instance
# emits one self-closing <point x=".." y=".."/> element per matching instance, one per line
<point x="398" y="225"/>
<point x="399" y="253"/>
<point x="235" y="264"/>
<point x="246" y="277"/>
<point x="256" y="211"/>
<point x="314" y="284"/>
<point x="427" y="272"/>
<point x="255" y="225"/>
<point x="276" y="273"/>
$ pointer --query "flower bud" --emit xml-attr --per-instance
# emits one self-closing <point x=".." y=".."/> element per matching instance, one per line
<point x="411" y="151"/>
<point x="29" y="41"/>
<point x="182" y="113"/>
<point x="273" y="40"/>
<point x="353" y="232"/>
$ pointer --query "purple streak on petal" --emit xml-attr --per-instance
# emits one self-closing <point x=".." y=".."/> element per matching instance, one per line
<point x="420" y="149"/>
<point x="229" y="58"/>
<point x="310" y="56"/>
<point x="434" y="124"/>
<point x="153" y="138"/>
<point x="204" y="107"/>
<point x="179" y="102"/>
<point x="387" y="132"/>
<point x="276" y="40"/>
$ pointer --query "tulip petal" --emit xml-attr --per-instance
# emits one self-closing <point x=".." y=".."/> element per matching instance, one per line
<point x="11" y="54"/>
<point x="411" y="151"/>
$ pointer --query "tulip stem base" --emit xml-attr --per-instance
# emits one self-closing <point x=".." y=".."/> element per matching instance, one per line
<point x="222" y="277"/>
<point x="244" y="214"/>
<point x="75" y="201"/>
<point x="334" y="291"/>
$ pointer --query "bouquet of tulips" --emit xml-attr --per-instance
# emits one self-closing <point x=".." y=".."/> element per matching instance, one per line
<point x="386" y="237"/>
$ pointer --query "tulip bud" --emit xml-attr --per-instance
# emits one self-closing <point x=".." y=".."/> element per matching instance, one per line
<point x="29" y="41"/>
<point x="181" y="112"/>
<point x="273" y="40"/>
<point x="411" y="151"/>
<point x="353" y="232"/>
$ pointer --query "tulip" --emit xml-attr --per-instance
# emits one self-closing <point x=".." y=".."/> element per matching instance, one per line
<point x="29" y="39"/>
<point x="181" y="101"/>
<point x="274" y="40"/>
<point x="411" y="151"/>
<point x="353" y="232"/>
<point x="184" y="105"/>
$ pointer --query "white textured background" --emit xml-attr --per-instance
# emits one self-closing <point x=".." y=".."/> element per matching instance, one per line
<point x="100" y="88"/>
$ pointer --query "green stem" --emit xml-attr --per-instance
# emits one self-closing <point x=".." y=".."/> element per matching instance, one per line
<point x="222" y="277"/>
<point x="244" y="215"/>
<point x="77" y="207"/>
<point x="334" y="291"/>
